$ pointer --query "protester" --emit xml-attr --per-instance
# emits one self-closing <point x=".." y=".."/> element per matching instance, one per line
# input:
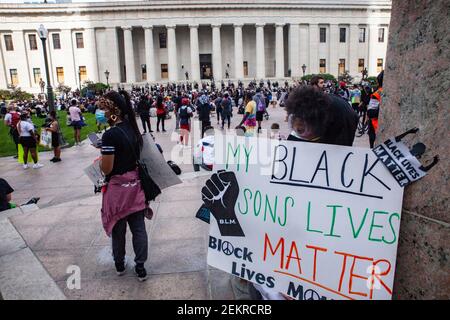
<point x="160" y="113"/>
<point x="227" y="109"/>
<point x="12" y="118"/>
<point x="318" y="82"/>
<point x="55" y="130"/>
<point x="260" y="107"/>
<point x="249" y="119"/>
<point x="373" y="110"/>
<point x="204" y="112"/>
<point x="123" y="198"/>
<point x="76" y="121"/>
<point x="5" y="195"/>
<point x="185" y="113"/>
<point x="28" y="139"/>
<point x="143" y="108"/>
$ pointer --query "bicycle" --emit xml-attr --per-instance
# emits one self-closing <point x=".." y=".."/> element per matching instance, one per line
<point x="363" y="126"/>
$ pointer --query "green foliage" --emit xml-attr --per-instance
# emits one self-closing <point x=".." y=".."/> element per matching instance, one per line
<point x="326" y="76"/>
<point x="15" y="94"/>
<point x="61" y="88"/>
<point x="372" y="81"/>
<point x="95" y="88"/>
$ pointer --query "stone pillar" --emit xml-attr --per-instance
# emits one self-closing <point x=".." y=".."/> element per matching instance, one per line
<point x="423" y="256"/>
<point x="149" y="53"/>
<point x="3" y="76"/>
<point x="172" y="53"/>
<point x="238" y="52"/>
<point x="195" y="57"/>
<point x="129" y="55"/>
<point x="217" y="52"/>
<point x="314" y="49"/>
<point x="260" y="54"/>
<point x="353" y="51"/>
<point x="113" y="65"/>
<point x="279" y="51"/>
<point x="373" y="40"/>
<point x="294" y="49"/>
<point x="333" y="47"/>
<point x="91" y="41"/>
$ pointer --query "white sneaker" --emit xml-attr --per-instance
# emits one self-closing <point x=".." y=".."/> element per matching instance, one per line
<point x="37" y="166"/>
<point x="25" y="166"/>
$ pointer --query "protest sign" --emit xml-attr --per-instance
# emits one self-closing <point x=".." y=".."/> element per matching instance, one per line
<point x="309" y="220"/>
<point x="95" y="174"/>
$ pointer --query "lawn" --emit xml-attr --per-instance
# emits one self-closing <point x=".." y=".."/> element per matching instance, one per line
<point x="7" y="147"/>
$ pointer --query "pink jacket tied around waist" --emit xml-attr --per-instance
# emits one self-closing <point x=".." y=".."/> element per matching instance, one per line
<point x="123" y="196"/>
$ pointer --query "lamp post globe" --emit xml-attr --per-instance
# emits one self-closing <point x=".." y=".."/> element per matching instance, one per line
<point x="107" y="77"/>
<point x="43" y="34"/>
<point x="304" y="69"/>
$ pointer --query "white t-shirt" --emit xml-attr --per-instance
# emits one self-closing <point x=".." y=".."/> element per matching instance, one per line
<point x="74" y="113"/>
<point x="25" y="128"/>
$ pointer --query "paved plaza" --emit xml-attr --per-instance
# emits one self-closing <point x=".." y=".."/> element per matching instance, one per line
<point x="39" y="243"/>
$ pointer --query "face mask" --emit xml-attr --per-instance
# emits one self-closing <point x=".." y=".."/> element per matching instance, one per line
<point x="100" y="116"/>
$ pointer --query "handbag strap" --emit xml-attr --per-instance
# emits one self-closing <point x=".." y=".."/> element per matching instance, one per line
<point x="130" y="144"/>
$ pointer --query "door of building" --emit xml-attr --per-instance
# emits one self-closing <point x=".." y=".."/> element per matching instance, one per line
<point x="206" y="66"/>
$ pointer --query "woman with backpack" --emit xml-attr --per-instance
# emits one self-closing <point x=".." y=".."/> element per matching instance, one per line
<point x="185" y="113"/>
<point x="12" y="118"/>
<point x="123" y="197"/>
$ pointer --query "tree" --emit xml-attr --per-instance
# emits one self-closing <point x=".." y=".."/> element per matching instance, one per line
<point x="61" y="88"/>
<point x="372" y="81"/>
<point x="346" y="77"/>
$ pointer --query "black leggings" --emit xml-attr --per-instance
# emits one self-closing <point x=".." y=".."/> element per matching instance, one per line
<point x="140" y="239"/>
<point x="372" y="134"/>
<point x="161" y="118"/>
<point x="226" y="118"/>
<point x="146" y="122"/>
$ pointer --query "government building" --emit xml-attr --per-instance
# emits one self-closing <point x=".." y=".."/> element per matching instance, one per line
<point x="174" y="40"/>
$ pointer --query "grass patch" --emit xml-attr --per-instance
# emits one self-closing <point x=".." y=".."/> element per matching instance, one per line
<point x="7" y="147"/>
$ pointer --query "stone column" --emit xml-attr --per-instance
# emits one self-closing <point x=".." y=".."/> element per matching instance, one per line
<point x="314" y="49"/>
<point x="238" y="52"/>
<point x="217" y="52"/>
<point x="91" y="41"/>
<point x="113" y="65"/>
<point x="294" y="49"/>
<point x="149" y="54"/>
<point x="129" y="55"/>
<point x="353" y="51"/>
<point x="3" y="76"/>
<point x="423" y="255"/>
<point x="333" y="47"/>
<point x="260" y="55"/>
<point x="172" y="53"/>
<point x="195" y="57"/>
<point x="279" y="50"/>
<point x="373" y="41"/>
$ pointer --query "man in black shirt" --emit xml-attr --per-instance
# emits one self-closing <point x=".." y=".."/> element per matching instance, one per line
<point x="5" y="195"/>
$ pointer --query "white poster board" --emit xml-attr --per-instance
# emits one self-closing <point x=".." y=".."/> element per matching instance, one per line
<point x="319" y="221"/>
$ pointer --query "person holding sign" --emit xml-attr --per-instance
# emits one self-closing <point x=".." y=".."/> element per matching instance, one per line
<point x="373" y="110"/>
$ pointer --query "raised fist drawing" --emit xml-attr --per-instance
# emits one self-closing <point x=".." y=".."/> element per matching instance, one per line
<point x="220" y="195"/>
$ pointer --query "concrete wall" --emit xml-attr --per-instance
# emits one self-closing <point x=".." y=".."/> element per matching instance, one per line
<point x="417" y="87"/>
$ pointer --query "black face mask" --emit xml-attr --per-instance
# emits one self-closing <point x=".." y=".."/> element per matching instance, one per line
<point x="292" y="137"/>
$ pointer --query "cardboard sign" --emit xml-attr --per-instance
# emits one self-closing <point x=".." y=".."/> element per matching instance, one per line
<point x="309" y="220"/>
<point x="395" y="155"/>
<point x="95" y="174"/>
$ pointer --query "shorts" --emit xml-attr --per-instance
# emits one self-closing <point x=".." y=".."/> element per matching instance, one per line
<point x="55" y="140"/>
<point x="77" y="125"/>
<point x="27" y="142"/>
<point x="185" y="127"/>
<point x="259" y="115"/>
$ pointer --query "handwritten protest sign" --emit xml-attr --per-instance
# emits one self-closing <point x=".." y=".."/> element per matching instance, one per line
<point x="308" y="220"/>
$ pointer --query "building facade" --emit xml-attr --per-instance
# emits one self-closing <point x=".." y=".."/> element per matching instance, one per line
<point x="172" y="40"/>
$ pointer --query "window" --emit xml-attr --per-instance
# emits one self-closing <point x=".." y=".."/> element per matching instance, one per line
<point x="164" y="71"/>
<point x="33" y="42"/>
<point x="381" y="35"/>
<point x="14" y="77"/>
<point x="60" y="74"/>
<point x="341" y="66"/>
<point x="36" y="75"/>
<point x="379" y="65"/>
<point x="56" y="41"/>
<point x="362" y="35"/>
<point x="9" y="43"/>
<point x="360" y="65"/>
<point x="342" y="34"/>
<point x="245" y="68"/>
<point x="83" y="73"/>
<point x="323" y="66"/>
<point x="323" y="35"/>
<point x="163" y="40"/>
<point x="79" y="38"/>
<point x="144" y="71"/>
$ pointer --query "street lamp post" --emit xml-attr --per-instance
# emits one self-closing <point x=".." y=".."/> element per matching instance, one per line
<point x="107" y="77"/>
<point x="43" y="33"/>
<point x="304" y="69"/>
